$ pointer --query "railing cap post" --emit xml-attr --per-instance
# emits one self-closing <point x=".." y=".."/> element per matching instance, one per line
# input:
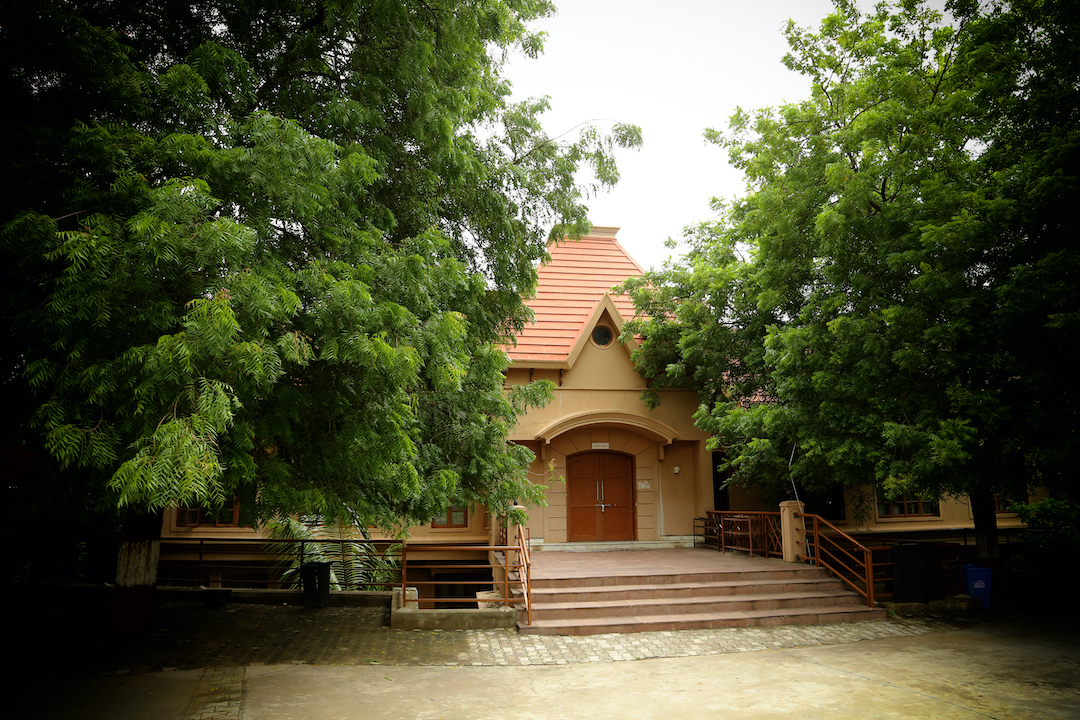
<point x="790" y="529"/>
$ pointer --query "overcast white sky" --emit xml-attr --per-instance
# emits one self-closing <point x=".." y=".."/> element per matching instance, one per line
<point x="674" y="69"/>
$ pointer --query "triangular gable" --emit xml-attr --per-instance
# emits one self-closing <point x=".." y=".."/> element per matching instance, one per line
<point x="570" y="296"/>
<point x="606" y="304"/>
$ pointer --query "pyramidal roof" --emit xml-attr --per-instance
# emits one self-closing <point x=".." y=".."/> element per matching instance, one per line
<point x="570" y="296"/>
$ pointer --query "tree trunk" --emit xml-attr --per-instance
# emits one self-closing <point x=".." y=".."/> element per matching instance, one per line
<point x="136" y="575"/>
<point x="986" y="534"/>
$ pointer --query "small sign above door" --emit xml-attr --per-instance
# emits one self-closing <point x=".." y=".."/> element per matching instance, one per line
<point x="599" y="446"/>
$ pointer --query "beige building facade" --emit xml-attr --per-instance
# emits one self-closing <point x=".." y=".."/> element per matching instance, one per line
<point x="616" y="471"/>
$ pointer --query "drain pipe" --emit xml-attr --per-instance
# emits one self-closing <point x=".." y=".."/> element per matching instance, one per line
<point x="791" y="479"/>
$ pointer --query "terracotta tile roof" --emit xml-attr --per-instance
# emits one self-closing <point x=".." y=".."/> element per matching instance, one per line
<point x="568" y="291"/>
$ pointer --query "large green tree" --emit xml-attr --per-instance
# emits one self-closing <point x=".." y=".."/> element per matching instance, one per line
<point x="269" y="250"/>
<point x="893" y="303"/>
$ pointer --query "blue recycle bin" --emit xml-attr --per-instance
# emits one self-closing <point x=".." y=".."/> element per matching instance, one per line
<point x="977" y="583"/>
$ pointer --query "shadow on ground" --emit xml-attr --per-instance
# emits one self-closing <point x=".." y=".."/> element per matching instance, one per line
<point x="67" y="631"/>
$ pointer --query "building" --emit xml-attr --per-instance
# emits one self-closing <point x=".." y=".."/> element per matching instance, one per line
<point x="616" y="471"/>
<point x="619" y="474"/>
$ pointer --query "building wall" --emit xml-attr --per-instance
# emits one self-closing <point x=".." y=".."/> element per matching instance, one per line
<point x="603" y="381"/>
<point x="170" y="530"/>
<point x="667" y="502"/>
<point x="549" y="523"/>
<point x="678" y="490"/>
<point x="861" y="516"/>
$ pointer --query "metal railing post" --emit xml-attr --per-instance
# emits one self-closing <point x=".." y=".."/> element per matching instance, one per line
<point x="847" y="571"/>
<point x="750" y="533"/>
<point x="817" y="543"/>
<point x="868" y="556"/>
<point x="301" y="575"/>
<point x="506" y="577"/>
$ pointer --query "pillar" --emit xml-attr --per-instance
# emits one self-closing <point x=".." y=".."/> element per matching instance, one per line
<point x="791" y="529"/>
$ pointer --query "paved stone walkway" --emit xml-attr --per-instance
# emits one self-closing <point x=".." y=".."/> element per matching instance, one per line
<point x="501" y="647"/>
<point x="191" y="637"/>
<point x="219" y="648"/>
<point x="188" y="636"/>
<point x="218" y="695"/>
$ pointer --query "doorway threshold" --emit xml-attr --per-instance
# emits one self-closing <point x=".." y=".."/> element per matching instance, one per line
<point x="670" y="541"/>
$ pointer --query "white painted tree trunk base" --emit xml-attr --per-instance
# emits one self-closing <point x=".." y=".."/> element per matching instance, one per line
<point x="136" y="579"/>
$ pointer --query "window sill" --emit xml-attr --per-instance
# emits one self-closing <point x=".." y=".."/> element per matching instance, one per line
<point x="910" y="518"/>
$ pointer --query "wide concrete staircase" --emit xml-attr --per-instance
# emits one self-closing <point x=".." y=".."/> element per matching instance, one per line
<point x="797" y="594"/>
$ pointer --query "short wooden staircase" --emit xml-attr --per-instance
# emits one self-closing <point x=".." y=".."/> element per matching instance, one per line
<point x="679" y="600"/>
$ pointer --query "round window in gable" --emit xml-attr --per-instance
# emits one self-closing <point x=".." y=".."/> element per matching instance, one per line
<point x="602" y="335"/>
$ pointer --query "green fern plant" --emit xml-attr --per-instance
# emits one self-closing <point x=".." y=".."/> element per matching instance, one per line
<point x="354" y="561"/>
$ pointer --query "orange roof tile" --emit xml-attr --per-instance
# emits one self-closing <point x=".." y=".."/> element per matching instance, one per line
<point x="568" y="291"/>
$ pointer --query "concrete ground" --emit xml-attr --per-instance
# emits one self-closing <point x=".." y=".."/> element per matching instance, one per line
<point x="988" y="672"/>
<point x="243" y="662"/>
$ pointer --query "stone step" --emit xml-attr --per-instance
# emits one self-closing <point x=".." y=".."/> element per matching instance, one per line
<point x="680" y="590"/>
<point x="690" y="621"/>
<point x="792" y="573"/>
<point x="670" y="541"/>
<point x="691" y="605"/>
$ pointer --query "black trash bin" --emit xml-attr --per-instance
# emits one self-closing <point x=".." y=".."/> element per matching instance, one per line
<point x="315" y="577"/>
<point x="917" y="573"/>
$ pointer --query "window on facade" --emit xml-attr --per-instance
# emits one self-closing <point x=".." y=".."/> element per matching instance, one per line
<point x="225" y="516"/>
<point x="907" y="505"/>
<point x="1002" y="503"/>
<point x="456" y="516"/>
<point x="602" y="335"/>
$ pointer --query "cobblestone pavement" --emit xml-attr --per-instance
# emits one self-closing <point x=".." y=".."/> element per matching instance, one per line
<point x="222" y="645"/>
<point x="356" y="636"/>
<point x="218" y="695"/>
<point x="189" y="636"/>
<point x="500" y="647"/>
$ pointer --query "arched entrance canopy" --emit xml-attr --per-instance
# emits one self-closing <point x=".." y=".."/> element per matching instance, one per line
<point x="652" y="429"/>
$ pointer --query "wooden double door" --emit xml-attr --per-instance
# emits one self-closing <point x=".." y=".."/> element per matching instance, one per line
<point x="600" y="497"/>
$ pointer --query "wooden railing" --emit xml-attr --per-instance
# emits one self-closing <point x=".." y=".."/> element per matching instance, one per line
<point x="852" y="561"/>
<point x="525" y="571"/>
<point x="950" y="561"/>
<point x="424" y="560"/>
<point x="355" y="565"/>
<point x="515" y="566"/>
<point x="749" y="532"/>
<point x="275" y="564"/>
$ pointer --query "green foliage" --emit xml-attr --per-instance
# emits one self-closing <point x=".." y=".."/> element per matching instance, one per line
<point x="276" y="246"/>
<point x="859" y="313"/>
<point x="355" y="563"/>
<point x="1053" y="532"/>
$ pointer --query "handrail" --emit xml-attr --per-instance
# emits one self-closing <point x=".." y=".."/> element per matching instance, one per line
<point x="861" y="569"/>
<point x="260" y="559"/>
<point x="412" y="551"/>
<point x="761" y="530"/>
<point x="525" y="573"/>
<point x="275" y="562"/>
